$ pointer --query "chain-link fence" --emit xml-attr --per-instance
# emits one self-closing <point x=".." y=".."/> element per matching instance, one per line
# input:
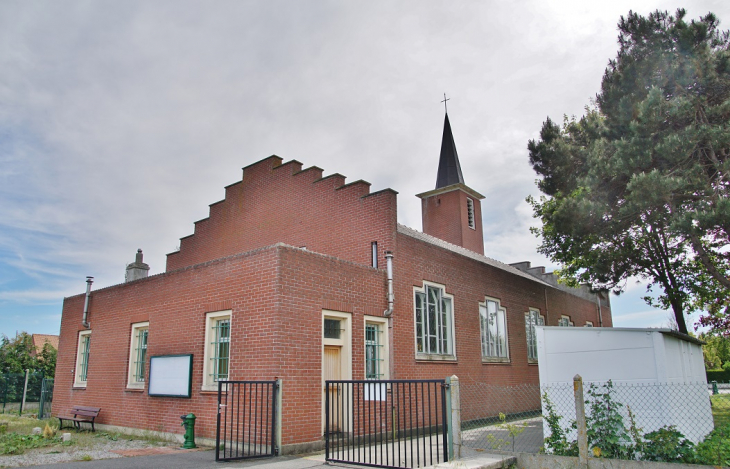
<point x="12" y="388"/>
<point x="530" y="418"/>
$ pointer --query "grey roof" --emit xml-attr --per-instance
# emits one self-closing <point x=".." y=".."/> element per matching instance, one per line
<point x="449" y="171"/>
<point x="467" y="253"/>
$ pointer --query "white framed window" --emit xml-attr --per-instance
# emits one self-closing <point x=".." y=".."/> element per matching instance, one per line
<point x="82" y="359"/>
<point x="217" y="354"/>
<point x="589" y="324"/>
<point x="493" y="323"/>
<point x="376" y="348"/>
<point x="565" y="321"/>
<point x="434" y="322"/>
<point x="532" y="318"/>
<point x="470" y="213"/>
<point x="138" y="355"/>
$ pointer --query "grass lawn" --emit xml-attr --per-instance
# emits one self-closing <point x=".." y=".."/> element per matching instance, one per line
<point x="721" y="409"/>
<point x="17" y="438"/>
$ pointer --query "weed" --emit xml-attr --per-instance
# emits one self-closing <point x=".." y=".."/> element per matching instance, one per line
<point x="49" y="431"/>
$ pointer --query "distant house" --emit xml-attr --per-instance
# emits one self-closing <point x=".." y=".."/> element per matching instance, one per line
<point x="288" y="278"/>
<point x="40" y="340"/>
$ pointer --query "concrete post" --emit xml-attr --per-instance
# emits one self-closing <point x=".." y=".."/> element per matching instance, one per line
<point x="580" y="418"/>
<point x="25" y="391"/>
<point x="454" y="417"/>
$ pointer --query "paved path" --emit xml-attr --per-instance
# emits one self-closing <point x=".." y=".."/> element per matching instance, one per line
<point x="191" y="460"/>
<point x="206" y="460"/>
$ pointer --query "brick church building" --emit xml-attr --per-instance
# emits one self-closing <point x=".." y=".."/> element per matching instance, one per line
<point x="291" y="277"/>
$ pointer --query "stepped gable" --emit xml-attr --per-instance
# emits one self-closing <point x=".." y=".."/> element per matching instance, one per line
<point x="282" y="202"/>
<point x="583" y="291"/>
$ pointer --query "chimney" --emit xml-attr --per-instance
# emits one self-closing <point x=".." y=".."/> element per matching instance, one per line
<point x="137" y="269"/>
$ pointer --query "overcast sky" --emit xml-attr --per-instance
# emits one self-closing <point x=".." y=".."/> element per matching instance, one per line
<point x="120" y="122"/>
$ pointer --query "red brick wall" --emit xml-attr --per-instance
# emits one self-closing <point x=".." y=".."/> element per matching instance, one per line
<point x="445" y="216"/>
<point x="276" y="295"/>
<point x="277" y="202"/>
<point x="175" y="305"/>
<point x="470" y="281"/>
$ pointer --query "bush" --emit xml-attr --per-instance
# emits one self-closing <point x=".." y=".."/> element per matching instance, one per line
<point x="718" y="375"/>
<point x="715" y="448"/>
<point x="668" y="445"/>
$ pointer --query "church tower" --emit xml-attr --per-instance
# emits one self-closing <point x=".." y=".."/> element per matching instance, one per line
<point x="453" y="210"/>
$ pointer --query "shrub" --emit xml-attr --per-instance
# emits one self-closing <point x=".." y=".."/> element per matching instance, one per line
<point x="667" y="444"/>
<point x="715" y="448"/>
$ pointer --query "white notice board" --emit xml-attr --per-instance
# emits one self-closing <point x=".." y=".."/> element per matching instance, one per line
<point x="171" y="375"/>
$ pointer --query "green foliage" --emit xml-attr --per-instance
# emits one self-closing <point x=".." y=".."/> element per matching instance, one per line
<point x="716" y="352"/>
<point x="668" y="445"/>
<point x="715" y="448"/>
<point x="557" y="442"/>
<point x="18" y="354"/>
<point x="638" y="187"/>
<point x="605" y="425"/>
<point x="513" y="430"/>
<point x="16" y="443"/>
<point x="718" y="375"/>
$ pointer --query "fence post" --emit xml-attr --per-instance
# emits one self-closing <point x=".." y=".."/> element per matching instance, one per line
<point x="453" y="413"/>
<point x="279" y="400"/>
<point x="580" y="418"/>
<point x="25" y="390"/>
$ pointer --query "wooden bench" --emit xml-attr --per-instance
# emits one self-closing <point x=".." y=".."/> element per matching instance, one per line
<point x="82" y="414"/>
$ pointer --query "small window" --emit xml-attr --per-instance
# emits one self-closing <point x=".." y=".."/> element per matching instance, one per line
<point x="565" y="321"/>
<point x="82" y="359"/>
<point x="332" y="328"/>
<point x="588" y="324"/>
<point x="374" y="249"/>
<point x="434" y="323"/>
<point x="373" y="352"/>
<point x="470" y="213"/>
<point x="138" y="355"/>
<point x="532" y="318"/>
<point x="493" y="322"/>
<point x="376" y="348"/>
<point x="217" y="349"/>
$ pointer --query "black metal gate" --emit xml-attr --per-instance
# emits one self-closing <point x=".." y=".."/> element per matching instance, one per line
<point x="246" y="425"/>
<point x="388" y="423"/>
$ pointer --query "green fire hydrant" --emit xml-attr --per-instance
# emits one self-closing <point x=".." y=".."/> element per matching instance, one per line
<point x="714" y="388"/>
<point x="189" y="424"/>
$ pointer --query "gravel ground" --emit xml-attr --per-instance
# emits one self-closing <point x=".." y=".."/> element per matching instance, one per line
<point x="99" y="450"/>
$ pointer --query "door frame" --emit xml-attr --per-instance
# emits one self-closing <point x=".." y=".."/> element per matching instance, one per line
<point x="345" y="344"/>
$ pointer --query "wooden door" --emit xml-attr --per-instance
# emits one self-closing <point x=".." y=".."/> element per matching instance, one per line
<point x="332" y="370"/>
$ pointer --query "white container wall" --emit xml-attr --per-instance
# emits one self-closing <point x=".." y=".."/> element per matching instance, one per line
<point x="659" y="374"/>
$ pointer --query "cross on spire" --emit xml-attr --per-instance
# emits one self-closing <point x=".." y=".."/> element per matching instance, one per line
<point x="444" y="101"/>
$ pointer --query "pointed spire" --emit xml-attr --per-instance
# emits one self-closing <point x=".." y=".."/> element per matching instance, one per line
<point x="449" y="171"/>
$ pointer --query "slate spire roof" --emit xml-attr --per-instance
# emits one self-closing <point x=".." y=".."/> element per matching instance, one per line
<point x="449" y="171"/>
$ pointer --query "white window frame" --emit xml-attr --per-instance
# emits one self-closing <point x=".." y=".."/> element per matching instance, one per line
<point x="133" y="381"/>
<point x="384" y="351"/>
<point x="438" y="354"/>
<point x="501" y="351"/>
<point x="565" y="321"/>
<point x="211" y="320"/>
<point x="532" y="318"/>
<point x="82" y="355"/>
<point x="589" y="324"/>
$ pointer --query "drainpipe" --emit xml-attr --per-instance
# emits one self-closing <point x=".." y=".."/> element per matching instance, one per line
<point x="89" y="281"/>
<point x="389" y="263"/>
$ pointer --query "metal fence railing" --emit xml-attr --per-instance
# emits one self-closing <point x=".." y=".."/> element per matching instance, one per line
<point x="629" y="416"/>
<point x="386" y="423"/>
<point x="12" y="388"/>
